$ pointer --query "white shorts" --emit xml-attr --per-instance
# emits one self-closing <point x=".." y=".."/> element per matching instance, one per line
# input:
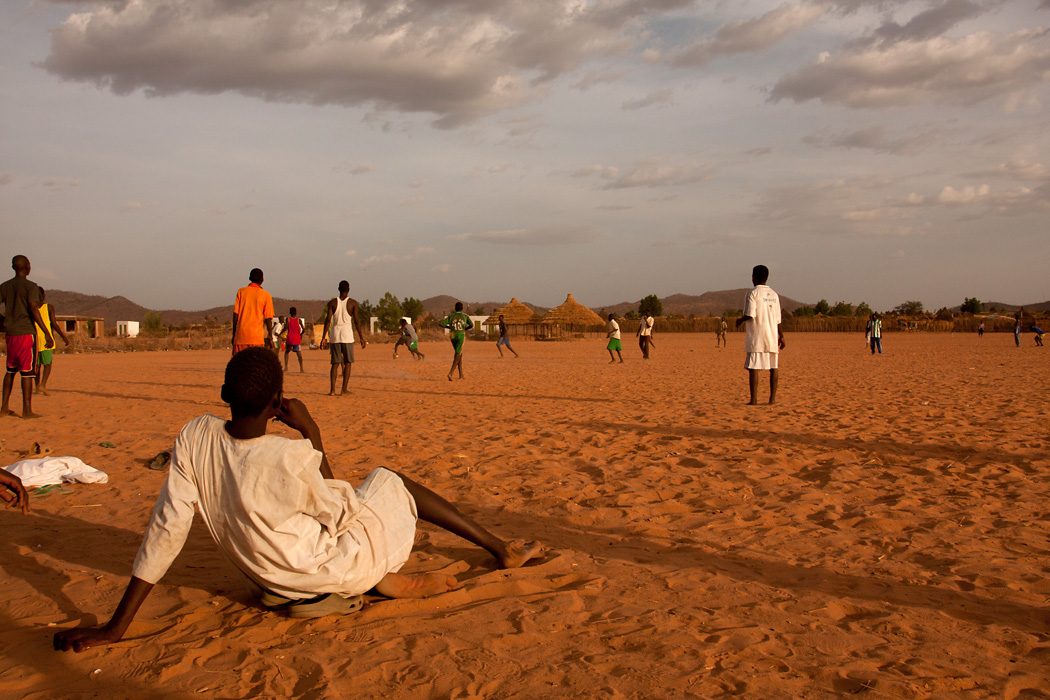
<point x="762" y="360"/>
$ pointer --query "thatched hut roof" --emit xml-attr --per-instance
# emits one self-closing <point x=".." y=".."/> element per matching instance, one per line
<point x="572" y="313"/>
<point x="514" y="314"/>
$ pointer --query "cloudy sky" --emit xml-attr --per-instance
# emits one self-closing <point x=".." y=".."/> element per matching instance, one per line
<point x="865" y="150"/>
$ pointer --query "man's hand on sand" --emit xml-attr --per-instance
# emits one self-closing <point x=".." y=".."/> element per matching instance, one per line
<point x="80" y="638"/>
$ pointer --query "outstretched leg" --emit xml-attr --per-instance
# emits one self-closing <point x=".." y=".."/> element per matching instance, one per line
<point x="436" y="510"/>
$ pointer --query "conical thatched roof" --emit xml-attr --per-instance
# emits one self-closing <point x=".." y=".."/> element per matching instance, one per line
<point x="514" y="314"/>
<point x="572" y="313"/>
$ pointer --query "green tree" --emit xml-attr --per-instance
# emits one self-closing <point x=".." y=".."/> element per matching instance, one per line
<point x="651" y="304"/>
<point x="365" y="311"/>
<point x="413" y="308"/>
<point x="862" y="309"/>
<point x="822" y="307"/>
<point x="972" y="305"/>
<point x="389" y="312"/>
<point x="805" y="312"/>
<point x="842" y="308"/>
<point x="152" y="322"/>
<point x="909" y="308"/>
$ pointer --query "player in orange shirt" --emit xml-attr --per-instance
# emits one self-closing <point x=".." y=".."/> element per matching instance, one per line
<point x="252" y="315"/>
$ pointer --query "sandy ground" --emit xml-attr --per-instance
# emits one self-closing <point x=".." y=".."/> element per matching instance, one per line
<point x="882" y="532"/>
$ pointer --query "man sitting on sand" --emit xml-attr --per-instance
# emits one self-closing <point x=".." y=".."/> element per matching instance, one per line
<point x="311" y="543"/>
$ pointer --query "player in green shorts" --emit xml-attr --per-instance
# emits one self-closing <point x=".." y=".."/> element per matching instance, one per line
<point x="458" y="324"/>
<point x="613" y="334"/>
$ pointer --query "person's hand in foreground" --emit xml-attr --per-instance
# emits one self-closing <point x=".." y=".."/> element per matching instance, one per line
<point x="13" y="492"/>
<point x="81" y="638"/>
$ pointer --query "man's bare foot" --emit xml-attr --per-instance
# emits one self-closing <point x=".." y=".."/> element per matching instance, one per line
<point x="416" y="585"/>
<point x="752" y="402"/>
<point x="621" y="362"/>
<point x="43" y="391"/>
<point x="612" y="362"/>
<point x="519" y="553"/>
<point x="30" y="414"/>
<point x="6" y="412"/>
<point x="450" y="377"/>
<point x="332" y="393"/>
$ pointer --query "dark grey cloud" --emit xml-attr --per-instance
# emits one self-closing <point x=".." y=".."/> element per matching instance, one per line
<point x="878" y="139"/>
<point x="931" y="23"/>
<point x="457" y="59"/>
<point x="748" y="36"/>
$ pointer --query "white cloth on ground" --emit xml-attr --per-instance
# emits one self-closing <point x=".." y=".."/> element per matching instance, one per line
<point x="275" y="518"/>
<point x="42" y="471"/>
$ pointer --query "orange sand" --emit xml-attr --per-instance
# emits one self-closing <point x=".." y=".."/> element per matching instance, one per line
<point x="882" y="531"/>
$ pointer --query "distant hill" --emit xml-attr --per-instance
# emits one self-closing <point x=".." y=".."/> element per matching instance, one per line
<point x="440" y="306"/>
<point x="707" y="303"/>
<point x="119" y="308"/>
<point x="987" y="306"/>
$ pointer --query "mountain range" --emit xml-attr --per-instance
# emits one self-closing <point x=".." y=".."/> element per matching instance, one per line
<point x="119" y="308"/>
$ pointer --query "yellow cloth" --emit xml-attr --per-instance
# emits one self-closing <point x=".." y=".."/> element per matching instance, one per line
<point x="41" y="341"/>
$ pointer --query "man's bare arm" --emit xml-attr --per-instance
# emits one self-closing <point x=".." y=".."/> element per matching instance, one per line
<point x="357" y="326"/>
<point x="55" y="327"/>
<point x="81" y="638"/>
<point x="294" y="414"/>
<point x="327" y="321"/>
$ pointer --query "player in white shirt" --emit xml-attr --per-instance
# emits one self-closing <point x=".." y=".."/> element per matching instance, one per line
<point x="763" y="338"/>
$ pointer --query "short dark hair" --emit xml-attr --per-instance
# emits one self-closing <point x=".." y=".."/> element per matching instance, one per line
<point x="404" y="322"/>
<point x="760" y="274"/>
<point x="253" y="377"/>
<point x="344" y="286"/>
<point x="459" y="306"/>
<point x="610" y="317"/>
<point x="255" y="275"/>
<point x="291" y="311"/>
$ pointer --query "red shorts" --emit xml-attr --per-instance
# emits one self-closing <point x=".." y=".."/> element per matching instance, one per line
<point x="20" y="350"/>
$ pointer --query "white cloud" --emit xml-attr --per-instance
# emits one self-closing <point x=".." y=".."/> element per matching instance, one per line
<point x="350" y="253"/>
<point x="965" y="71"/>
<point x="542" y="237"/>
<point x="384" y="258"/>
<point x="966" y="195"/>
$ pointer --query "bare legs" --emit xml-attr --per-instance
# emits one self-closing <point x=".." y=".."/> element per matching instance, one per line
<point x="436" y="510"/>
<point x="457" y="362"/>
<point x="612" y="359"/>
<point x="752" y="376"/>
<point x="27" y="395"/>
<point x="297" y="354"/>
<point x="335" y="373"/>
